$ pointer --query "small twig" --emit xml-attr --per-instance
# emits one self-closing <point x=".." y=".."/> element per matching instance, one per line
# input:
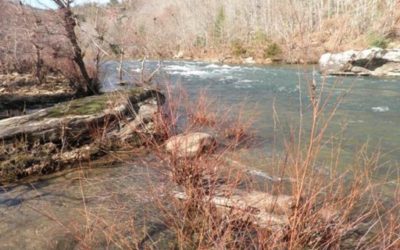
<point x="154" y="73"/>
<point x="143" y="80"/>
<point x="142" y="71"/>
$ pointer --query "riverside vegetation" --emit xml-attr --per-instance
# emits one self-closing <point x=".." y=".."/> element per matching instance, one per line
<point x="243" y="32"/>
<point x="199" y="193"/>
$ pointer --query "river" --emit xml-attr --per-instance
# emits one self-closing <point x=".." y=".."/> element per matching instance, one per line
<point x="49" y="211"/>
<point x="368" y="114"/>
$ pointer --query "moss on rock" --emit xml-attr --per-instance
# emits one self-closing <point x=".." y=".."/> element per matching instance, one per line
<point x="94" y="105"/>
<point x="57" y="137"/>
<point x="85" y="106"/>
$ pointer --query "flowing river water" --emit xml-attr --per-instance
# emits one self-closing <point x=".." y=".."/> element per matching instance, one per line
<point x="368" y="114"/>
<point x="49" y="211"/>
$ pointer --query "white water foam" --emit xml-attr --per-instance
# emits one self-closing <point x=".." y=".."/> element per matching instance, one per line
<point x="244" y="84"/>
<point x="187" y="70"/>
<point x="225" y="66"/>
<point x="178" y="68"/>
<point x="212" y="66"/>
<point x="195" y="73"/>
<point x="246" y="81"/>
<point x="380" y="109"/>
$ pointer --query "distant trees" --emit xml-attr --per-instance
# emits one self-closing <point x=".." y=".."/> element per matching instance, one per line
<point x="153" y="28"/>
<point x="168" y="27"/>
<point x="218" y="32"/>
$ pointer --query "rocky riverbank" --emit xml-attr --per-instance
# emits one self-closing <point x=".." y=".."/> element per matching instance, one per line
<point x="369" y="62"/>
<point x="75" y="131"/>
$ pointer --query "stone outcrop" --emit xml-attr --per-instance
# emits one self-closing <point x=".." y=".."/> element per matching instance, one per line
<point x="189" y="145"/>
<point x="266" y="210"/>
<point x="369" y="62"/>
<point x="73" y="131"/>
<point x="142" y="123"/>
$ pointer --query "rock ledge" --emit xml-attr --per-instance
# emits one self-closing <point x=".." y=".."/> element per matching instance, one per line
<point x="369" y="62"/>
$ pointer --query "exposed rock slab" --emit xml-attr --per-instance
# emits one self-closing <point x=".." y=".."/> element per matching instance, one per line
<point x="73" y="131"/>
<point x="72" y="121"/>
<point x="189" y="145"/>
<point x="266" y="210"/>
<point x="369" y="62"/>
<point x="143" y="121"/>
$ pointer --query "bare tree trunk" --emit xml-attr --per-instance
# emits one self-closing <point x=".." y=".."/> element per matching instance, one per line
<point x="120" y="69"/>
<point x="39" y="63"/>
<point x="90" y="85"/>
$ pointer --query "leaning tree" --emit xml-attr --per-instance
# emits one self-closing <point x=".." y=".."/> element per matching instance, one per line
<point x="87" y="85"/>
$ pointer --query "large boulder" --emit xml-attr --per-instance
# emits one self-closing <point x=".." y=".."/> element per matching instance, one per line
<point x="374" y="61"/>
<point x="189" y="145"/>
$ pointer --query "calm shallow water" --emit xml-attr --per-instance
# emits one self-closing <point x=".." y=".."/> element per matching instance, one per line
<point x="45" y="213"/>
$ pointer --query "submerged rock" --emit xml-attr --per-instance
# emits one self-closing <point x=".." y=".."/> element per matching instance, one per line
<point x="190" y="145"/>
<point x="74" y="131"/>
<point x="374" y="61"/>
<point x="265" y="210"/>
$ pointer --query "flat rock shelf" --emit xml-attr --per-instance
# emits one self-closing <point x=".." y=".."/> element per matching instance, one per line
<point x="48" y="139"/>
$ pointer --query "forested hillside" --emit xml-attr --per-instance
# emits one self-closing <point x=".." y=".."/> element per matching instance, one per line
<point x="292" y="30"/>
